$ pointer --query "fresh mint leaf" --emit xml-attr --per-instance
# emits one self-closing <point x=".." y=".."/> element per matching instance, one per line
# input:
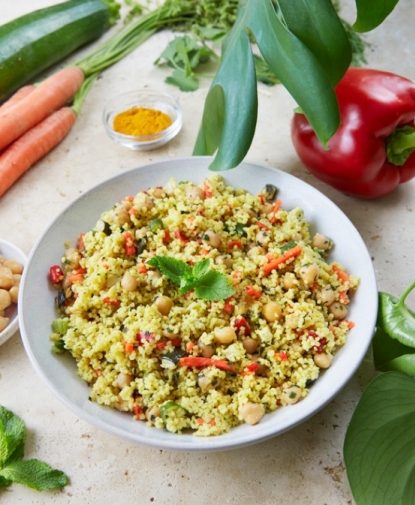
<point x="182" y="81"/>
<point x="200" y="268"/>
<point x="208" y="284"/>
<point x="173" y="269"/>
<point x="214" y="286"/>
<point x="13" y="468"/>
<point x="12" y="437"/>
<point x="35" y="474"/>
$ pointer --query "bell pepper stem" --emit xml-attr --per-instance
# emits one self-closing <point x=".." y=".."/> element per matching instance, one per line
<point x="401" y="301"/>
<point x="400" y="145"/>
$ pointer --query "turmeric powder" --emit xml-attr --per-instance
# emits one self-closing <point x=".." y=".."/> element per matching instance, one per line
<point x="141" y="121"/>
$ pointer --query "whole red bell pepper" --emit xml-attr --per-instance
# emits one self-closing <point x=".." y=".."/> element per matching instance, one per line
<point x="373" y="149"/>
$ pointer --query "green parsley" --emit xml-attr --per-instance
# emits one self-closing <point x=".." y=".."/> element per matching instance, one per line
<point x="207" y="284"/>
<point x="13" y="468"/>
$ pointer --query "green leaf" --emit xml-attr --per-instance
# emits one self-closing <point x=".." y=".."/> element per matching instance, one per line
<point x="379" y="448"/>
<point x="214" y="286"/>
<point x="35" y="474"/>
<point x="395" y="318"/>
<point x="182" y="81"/>
<point x="371" y="14"/>
<point x="230" y="112"/>
<point x="200" y="268"/>
<point x="389" y="354"/>
<point x="321" y="30"/>
<point x="173" y="269"/>
<point x="12" y="437"/>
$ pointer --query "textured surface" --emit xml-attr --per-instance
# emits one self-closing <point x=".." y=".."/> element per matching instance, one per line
<point x="303" y="466"/>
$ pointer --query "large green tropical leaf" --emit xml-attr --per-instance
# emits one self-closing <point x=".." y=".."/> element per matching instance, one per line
<point x="379" y="448"/>
<point x="390" y="354"/>
<point x="321" y="30"/>
<point x="372" y="13"/>
<point x="298" y="61"/>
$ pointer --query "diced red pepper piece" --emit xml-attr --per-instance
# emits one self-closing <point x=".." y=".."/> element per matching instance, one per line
<point x="199" y="362"/>
<point x="178" y="234"/>
<point x="241" y="322"/>
<point x="56" y="274"/>
<point x="253" y="292"/>
<point x="235" y="243"/>
<point x="129" y="244"/>
<point x="110" y="301"/>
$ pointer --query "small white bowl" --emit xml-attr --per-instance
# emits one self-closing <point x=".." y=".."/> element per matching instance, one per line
<point x="149" y="99"/>
<point x="10" y="251"/>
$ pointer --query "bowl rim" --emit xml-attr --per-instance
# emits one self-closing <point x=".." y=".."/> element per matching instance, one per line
<point x="173" y="129"/>
<point x="347" y="359"/>
<point x="10" y="250"/>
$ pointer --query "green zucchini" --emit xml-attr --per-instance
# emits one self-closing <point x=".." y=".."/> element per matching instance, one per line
<point x="33" y="42"/>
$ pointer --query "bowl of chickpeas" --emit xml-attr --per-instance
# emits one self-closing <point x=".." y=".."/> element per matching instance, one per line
<point x="12" y="263"/>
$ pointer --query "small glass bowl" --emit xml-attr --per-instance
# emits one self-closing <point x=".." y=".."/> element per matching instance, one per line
<point x="11" y="252"/>
<point x="149" y="99"/>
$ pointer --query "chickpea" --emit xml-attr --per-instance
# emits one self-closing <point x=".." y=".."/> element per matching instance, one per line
<point x="16" y="279"/>
<point x="6" y="278"/>
<point x="158" y="193"/>
<point x="14" y="294"/>
<point x="339" y="310"/>
<point x="120" y="215"/>
<point x="272" y="311"/>
<point x="164" y="304"/>
<point x="225" y="335"/>
<point x="223" y="260"/>
<point x="325" y="296"/>
<point x="194" y="193"/>
<point x="206" y="350"/>
<point x="71" y="259"/>
<point x="242" y="308"/>
<point x="289" y="280"/>
<point x="251" y="413"/>
<point x="309" y="274"/>
<point x="250" y="345"/>
<point x="143" y="201"/>
<point x="267" y="208"/>
<point x="213" y="238"/>
<point x="296" y="346"/>
<point x="323" y="359"/>
<point x="255" y="251"/>
<point x="152" y="413"/>
<point x="4" y="321"/>
<point x="292" y="321"/>
<point x="291" y="395"/>
<point x="14" y="266"/>
<point x="129" y="282"/>
<point x="262" y="238"/>
<point x="205" y="382"/>
<point x="5" y="299"/>
<point x="124" y="380"/>
<point x="122" y="405"/>
<point x="320" y="241"/>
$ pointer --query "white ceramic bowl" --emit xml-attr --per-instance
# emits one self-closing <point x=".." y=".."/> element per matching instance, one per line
<point x="10" y="251"/>
<point x="149" y="99"/>
<point x="59" y="371"/>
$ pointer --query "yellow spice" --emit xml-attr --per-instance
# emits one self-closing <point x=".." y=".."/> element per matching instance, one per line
<point x="141" y="121"/>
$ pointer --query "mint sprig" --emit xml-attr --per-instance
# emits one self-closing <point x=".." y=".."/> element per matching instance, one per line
<point x="31" y="472"/>
<point x="207" y="283"/>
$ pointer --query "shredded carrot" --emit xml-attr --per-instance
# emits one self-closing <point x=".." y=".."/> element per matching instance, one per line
<point x="16" y="97"/>
<point x="275" y="263"/>
<point x="207" y="187"/>
<point x="341" y="274"/>
<point x="343" y="298"/>
<point x="128" y="347"/>
<point x="253" y="292"/>
<point x="51" y="95"/>
<point x="276" y="206"/>
<point x="75" y="277"/>
<point x="200" y="421"/>
<point x="33" y="145"/>
<point x="190" y="346"/>
<point x="350" y="325"/>
<point x="204" y="252"/>
<point x="142" y="269"/>
<point x="262" y="226"/>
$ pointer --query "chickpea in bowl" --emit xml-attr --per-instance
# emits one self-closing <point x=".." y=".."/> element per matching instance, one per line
<point x="12" y="262"/>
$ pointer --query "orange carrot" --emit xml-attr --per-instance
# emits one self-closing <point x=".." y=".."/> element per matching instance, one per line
<point x="49" y="96"/>
<point x="33" y="145"/>
<point x="16" y="97"/>
<point x="273" y="264"/>
<point x="341" y="274"/>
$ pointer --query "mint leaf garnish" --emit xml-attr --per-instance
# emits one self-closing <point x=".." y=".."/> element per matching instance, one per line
<point x="32" y="473"/>
<point x="214" y="286"/>
<point x="208" y="284"/>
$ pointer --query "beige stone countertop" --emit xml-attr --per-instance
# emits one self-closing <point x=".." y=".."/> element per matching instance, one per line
<point x="303" y="466"/>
